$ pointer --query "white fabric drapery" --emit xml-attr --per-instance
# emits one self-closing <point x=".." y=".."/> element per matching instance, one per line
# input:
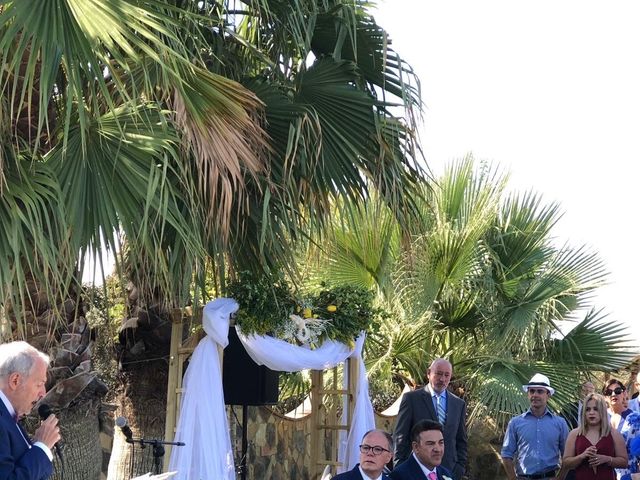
<point x="363" y="418"/>
<point x="203" y="422"/>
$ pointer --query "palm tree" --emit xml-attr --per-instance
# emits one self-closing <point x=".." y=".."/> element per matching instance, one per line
<point x="483" y="282"/>
<point x="203" y="133"/>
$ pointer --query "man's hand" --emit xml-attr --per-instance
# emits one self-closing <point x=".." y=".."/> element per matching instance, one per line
<point x="48" y="432"/>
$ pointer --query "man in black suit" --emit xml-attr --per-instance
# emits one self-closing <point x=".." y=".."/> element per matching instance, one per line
<point x="428" y="448"/>
<point x="375" y="452"/>
<point x="435" y="403"/>
<point x="23" y="374"/>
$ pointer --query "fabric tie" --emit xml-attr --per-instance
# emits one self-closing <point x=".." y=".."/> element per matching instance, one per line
<point x="442" y="415"/>
<point x="432" y="475"/>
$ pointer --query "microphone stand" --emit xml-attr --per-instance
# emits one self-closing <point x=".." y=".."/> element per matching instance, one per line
<point x="158" y="450"/>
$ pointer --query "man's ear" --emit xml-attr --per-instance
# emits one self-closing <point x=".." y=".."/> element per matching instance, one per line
<point x="14" y="380"/>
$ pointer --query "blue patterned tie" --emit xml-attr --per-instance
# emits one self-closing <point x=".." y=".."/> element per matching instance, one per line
<point x="442" y="415"/>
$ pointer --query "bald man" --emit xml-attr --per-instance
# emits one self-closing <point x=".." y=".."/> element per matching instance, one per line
<point x="435" y="403"/>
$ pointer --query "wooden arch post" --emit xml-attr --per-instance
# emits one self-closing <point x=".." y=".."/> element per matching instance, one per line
<point x="326" y="417"/>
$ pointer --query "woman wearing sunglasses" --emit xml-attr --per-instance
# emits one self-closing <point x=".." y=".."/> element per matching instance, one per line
<point x="624" y="421"/>
<point x="594" y="449"/>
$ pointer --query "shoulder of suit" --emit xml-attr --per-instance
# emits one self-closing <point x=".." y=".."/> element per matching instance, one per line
<point x="454" y="397"/>
<point x="416" y="392"/>
<point x="444" y="470"/>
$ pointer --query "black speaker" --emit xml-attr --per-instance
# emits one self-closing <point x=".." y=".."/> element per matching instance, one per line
<point x="244" y="382"/>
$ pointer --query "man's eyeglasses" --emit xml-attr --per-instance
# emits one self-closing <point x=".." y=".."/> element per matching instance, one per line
<point x="376" y="450"/>
<point x="618" y="390"/>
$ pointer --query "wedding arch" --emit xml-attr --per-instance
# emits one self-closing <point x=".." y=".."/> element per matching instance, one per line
<point x="196" y="411"/>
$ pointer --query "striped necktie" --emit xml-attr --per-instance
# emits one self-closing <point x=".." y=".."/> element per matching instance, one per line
<point x="433" y="476"/>
<point x="442" y="415"/>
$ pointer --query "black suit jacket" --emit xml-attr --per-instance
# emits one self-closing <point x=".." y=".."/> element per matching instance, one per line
<point x="418" y="405"/>
<point x="354" y="474"/>
<point x="410" y="470"/>
<point x="19" y="460"/>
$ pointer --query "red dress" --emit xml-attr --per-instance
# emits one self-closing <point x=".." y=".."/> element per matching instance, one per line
<point x="605" y="447"/>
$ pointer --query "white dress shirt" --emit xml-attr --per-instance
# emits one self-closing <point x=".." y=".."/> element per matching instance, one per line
<point x="365" y="476"/>
<point x="423" y="468"/>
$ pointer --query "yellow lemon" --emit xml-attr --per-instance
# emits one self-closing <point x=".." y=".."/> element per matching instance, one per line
<point x="331" y="308"/>
<point x="306" y="313"/>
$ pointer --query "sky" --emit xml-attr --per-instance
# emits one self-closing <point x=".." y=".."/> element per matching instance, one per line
<point x="550" y="92"/>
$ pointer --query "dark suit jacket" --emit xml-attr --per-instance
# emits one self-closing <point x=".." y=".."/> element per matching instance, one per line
<point x="354" y="474"/>
<point x="410" y="470"/>
<point x="20" y="460"/>
<point x="418" y="405"/>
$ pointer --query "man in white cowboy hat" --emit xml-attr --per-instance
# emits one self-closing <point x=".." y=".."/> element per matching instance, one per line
<point x="534" y="442"/>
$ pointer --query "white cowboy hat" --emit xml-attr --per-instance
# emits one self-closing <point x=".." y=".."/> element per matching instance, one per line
<point x="539" y="380"/>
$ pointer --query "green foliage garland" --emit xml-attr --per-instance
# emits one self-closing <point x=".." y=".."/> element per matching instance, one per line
<point x="266" y="304"/>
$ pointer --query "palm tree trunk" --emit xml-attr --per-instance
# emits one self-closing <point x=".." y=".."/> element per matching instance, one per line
<point x="143" y="402"/>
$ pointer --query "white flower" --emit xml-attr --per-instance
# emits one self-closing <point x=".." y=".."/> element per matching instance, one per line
<point x="446" y="478"/>
<point x="305" y="330"/>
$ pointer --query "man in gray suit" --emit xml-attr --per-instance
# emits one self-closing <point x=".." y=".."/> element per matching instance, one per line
<point x="434" y="402"/>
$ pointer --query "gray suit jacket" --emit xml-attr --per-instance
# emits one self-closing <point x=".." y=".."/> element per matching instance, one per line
<point x="418" y="405"/>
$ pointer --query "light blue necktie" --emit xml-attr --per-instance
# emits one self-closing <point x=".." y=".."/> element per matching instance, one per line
<point x="442" y="415"/>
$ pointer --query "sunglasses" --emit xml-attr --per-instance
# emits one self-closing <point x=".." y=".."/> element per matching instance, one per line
<point x="616" y="391"/>
<point x="539" y="391"/>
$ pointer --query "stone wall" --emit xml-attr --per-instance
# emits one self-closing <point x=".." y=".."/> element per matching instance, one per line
<point x="278" y="447"/>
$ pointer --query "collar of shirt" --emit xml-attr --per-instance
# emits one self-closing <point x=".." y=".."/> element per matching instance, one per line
<point x="546" y="412"/>
<point x="433" y="393"/>
<point x="365" y="476"/>
<point x="423" y="468"/>
<point x="7" y="404"/>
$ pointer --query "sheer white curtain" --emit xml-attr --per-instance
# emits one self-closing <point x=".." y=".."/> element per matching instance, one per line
<point x="285" y="357"/>
<point x="203" y="425"/>
<point x="363" y="418"/>
<point x="203" y="422"/>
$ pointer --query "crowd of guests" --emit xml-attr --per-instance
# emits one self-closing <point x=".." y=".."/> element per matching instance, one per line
<point x="430" y="439"/>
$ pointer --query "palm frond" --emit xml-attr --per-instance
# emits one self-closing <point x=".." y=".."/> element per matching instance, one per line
<point x="595" y="343"/>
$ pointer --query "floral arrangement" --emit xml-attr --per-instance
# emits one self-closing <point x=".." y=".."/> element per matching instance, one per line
<point x="269" y="307"/>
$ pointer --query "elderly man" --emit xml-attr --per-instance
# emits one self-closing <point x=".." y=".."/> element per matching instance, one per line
<point x="23" y="374"/>
<point x="428" y="447"/>
<point x="375" y="452"/>
<point x="435" y="403"/>
<point x="534" y="442"/>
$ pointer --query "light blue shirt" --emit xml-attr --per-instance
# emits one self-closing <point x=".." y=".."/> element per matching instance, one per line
<point x="434" y="399"/>
<point x="536" y="444"/>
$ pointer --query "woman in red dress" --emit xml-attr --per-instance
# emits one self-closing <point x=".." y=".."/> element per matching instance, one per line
<point x="594" y="449"/>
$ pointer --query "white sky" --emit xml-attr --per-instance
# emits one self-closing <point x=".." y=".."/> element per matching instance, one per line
<point x="550" y="91"/>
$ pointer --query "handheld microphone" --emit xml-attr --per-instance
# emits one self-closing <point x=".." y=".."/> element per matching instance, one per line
<point x="121" y="423"/>
<point x="44" y="411"/>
